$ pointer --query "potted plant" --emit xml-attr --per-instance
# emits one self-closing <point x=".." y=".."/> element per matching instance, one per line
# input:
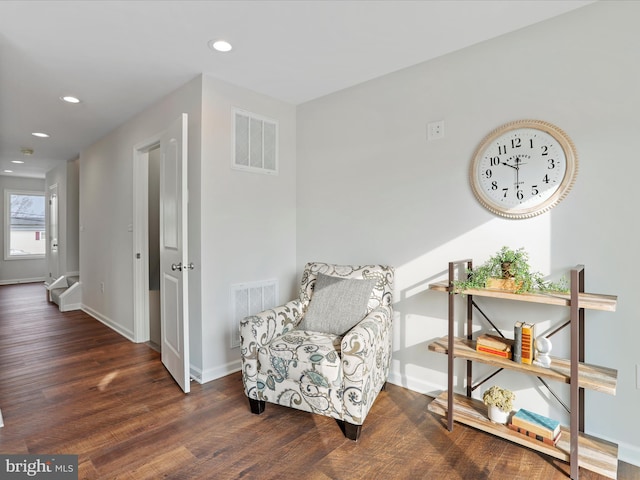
<point x="508" y="269"/>
<point x="499" y="402"/>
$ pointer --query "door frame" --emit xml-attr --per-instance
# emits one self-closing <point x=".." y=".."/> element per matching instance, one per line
<point x="141" y="237"/>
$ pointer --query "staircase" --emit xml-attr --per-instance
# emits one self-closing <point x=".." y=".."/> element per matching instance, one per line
<point x="66" y="292"/>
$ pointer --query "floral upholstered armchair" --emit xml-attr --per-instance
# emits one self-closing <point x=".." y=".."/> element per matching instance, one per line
<point x="327" y="352"/>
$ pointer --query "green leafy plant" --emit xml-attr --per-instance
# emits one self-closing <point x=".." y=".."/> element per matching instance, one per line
<point x="499" y="397"/>
<point x="509" y="264"/>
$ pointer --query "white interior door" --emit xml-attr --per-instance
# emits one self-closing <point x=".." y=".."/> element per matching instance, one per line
<point x="174" y="265"/>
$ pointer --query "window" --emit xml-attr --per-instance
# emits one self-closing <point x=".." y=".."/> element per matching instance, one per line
<point x="24" y="225"/>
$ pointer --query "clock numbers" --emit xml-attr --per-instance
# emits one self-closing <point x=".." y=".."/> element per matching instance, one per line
<point x="508" y="168"/>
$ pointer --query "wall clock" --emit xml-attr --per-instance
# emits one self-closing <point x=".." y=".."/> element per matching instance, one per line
<point x="523" y="168"/>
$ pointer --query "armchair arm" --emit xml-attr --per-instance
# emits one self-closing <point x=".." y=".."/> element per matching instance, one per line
<point x="366" y="358"/>
<point x="259" y="330"/>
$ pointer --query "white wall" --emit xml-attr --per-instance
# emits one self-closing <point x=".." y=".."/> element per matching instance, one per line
<point x="372" y="189"/>
<point x="248" y="219"/>
<point x="18" y="271"/>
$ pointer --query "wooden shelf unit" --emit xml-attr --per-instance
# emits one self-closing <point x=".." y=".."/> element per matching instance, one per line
<point x="574" y="447"/>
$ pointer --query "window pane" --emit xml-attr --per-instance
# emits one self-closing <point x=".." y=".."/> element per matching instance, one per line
<point x="27" y="226"/>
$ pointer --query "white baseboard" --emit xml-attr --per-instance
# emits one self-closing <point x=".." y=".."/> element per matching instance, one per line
<point x="626" y="452"/>
<point x="414" y="384"/>
<point x="216" y="372"/>
<point x="128" y="334"/>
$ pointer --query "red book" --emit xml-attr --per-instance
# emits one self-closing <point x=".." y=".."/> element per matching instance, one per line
<point x="493" y="351"/>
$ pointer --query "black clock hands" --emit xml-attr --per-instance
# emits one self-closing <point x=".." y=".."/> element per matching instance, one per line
<point x="516" y="167"/>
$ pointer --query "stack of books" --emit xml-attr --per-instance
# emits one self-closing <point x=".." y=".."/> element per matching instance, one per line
<point x="536" y="426"/>
<point x="495" y="345"/>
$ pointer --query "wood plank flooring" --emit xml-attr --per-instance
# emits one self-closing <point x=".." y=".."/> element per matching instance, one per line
<point x="70" y="385"/>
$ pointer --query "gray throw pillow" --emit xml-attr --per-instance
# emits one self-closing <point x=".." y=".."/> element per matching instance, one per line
<point x="337" y="304"/>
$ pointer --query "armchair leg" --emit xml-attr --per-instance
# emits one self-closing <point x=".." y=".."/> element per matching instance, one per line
<point x="257" y="406"/>
<point x="351" y="431"/>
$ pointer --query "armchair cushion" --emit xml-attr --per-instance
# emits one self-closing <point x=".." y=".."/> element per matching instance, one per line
<point x="337" y="305"/>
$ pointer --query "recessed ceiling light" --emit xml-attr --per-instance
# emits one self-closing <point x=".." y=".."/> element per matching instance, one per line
<point x="8" y="171"/>
<point x="17" y="161"/>
<point x="70" y="99"/>
<point x="220" y="45"/>
<point x="40" y="134"/>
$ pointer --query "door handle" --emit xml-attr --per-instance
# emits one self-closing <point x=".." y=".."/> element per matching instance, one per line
<point x="175" y="267"/>
<point x="190" y="266"/>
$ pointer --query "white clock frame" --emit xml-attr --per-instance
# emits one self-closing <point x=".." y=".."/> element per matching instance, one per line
<point x="523" y="168"/>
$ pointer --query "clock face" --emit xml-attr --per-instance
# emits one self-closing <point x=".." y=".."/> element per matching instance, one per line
<point x="523" y="169"/>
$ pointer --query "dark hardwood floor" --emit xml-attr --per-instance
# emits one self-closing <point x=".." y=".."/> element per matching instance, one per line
<point x="70" y="385"/>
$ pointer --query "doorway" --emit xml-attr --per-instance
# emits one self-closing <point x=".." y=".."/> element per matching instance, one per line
<point x="146" y="190"/>
<point x="169" y="198"/>
<point x="153" y="257"/>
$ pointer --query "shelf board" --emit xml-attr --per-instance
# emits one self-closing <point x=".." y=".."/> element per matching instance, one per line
<point x="601" y="379"/>
<point x="589" y="301"/>
<point x="593" y="454"/>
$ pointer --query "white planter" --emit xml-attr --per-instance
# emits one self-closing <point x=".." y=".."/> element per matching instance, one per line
<point x="498" y="416"/>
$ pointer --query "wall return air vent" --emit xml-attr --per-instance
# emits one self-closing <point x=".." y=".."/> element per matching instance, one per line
<point x="248" y="299"/>
<point x="255" y="143"/>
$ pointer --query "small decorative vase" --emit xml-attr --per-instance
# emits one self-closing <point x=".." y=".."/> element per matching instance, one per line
<point x="498" y="416"/>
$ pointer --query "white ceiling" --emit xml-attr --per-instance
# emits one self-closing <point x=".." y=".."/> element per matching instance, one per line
<point x="121" y="56"/>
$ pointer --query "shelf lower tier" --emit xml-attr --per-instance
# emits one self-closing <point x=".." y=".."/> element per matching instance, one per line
<point x="592" y="377"/>
<point x="593" y="454"/>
